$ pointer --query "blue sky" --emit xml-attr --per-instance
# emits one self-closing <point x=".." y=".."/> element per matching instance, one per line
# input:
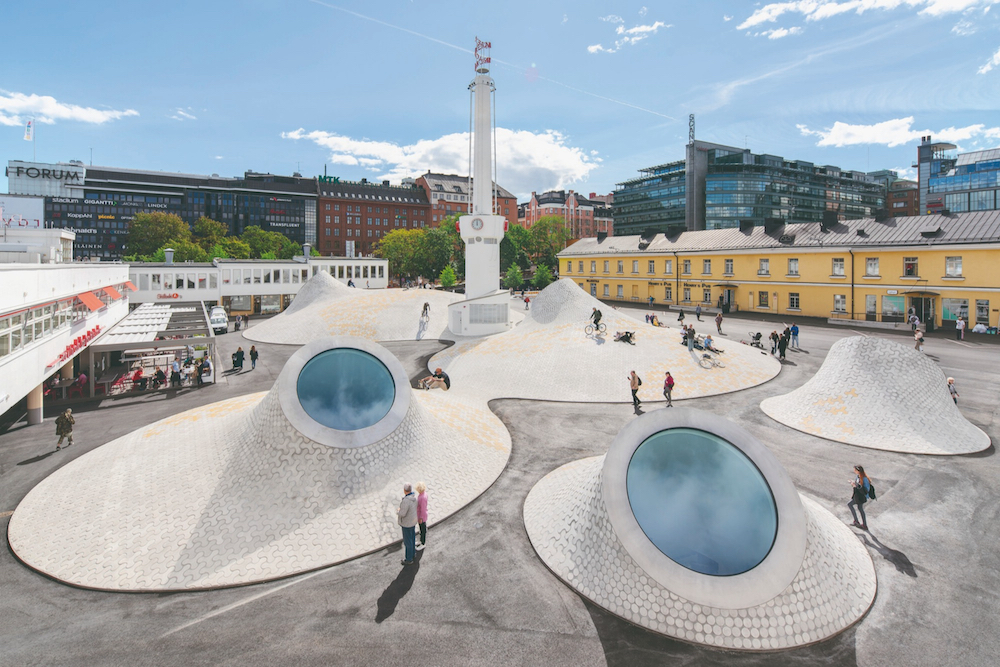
<point x="587" y="92"/>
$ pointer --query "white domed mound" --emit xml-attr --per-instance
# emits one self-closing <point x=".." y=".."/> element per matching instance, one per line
<point x="254" y="488"/>
<point x="326" y="307"/>
<point x="740" y="561"/>
<point x="549" y="356"/>
<point x="872" y="392"/>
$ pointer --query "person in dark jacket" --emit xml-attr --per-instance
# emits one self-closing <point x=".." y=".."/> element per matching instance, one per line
<point x="64" y="428"/>
<point x="253" y="357"/>
<point x="238" y="357"/>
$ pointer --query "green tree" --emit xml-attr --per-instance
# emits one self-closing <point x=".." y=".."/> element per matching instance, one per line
<point x="186" y="250"/>
<point x="262" y="242"/>
<point x="514" y="277"/>
<point x="547" y="238"/>
<point x="400" y="247"/>
<point x="519" y="245"/>
<point x="543" y="276"/>
<point x="449" y="226"/>
<point x="218" y="251"/>
<point x="148" y="232"/>
<point x="208" y="233"/>
<point x="436" y="250"/>
<point x="447" y="277"/>
<point x="235" y="248"/>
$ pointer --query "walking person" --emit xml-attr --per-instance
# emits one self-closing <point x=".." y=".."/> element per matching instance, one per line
<point x="634" y="383"/>
<point x="690" y="338"/>
<point x="859" y="490"/>
<point x="697" y="312"/>
<point x="918" y="340"/>
<point x="238" y="357"/>
<point x="914" y="321"/>
<point x="782" y="346"/>
<point x="952" y="390"/>
<point x="960" y="328"/>
<point x="421" y="489"/>
<point x="253" y="357"/>
<point x="680" y="315"/>
<point x="668" y="389"/>
<point x="774" y="341"/>
<point x="718" y="323"/>
<point x="406" y="516"/>
<point x="795" y="335"/>
<point x="527" y="300"/>
<point x="64" y="428"/>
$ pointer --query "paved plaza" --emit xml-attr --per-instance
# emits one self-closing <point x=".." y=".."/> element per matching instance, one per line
<point x="481" y="595"/>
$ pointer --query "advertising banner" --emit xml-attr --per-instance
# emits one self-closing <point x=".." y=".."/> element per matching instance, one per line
<point x="22" y="212"/>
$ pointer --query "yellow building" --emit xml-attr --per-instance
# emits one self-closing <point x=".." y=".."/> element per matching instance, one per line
<point x="936" y="266"/>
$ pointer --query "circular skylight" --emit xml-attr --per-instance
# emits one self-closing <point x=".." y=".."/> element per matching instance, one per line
<point x="345" y="389"/>
<point x="701" y="501"/>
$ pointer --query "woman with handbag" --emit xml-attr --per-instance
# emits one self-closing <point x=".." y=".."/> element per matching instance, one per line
<point x="860" y="488"/>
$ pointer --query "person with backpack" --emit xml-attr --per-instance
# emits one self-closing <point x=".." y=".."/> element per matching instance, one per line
<point x="634" y="383"/>
<point x="668" y="389"/>
<point x="862" y="489"/>
<point x="64" y="428"/>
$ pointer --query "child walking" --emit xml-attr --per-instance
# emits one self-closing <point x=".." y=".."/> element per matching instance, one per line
<point x="421" y="489"/>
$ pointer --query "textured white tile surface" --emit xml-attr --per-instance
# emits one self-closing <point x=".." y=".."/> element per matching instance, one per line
<point x="231" y="494"/>
<point x="569" y="528"/>
<point x="548" y="356"/>
<point x="872" y="392"/>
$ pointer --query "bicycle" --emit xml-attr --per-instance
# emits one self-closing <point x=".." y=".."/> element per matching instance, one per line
<point x="708" y="361"/>
<point x="591" y="328"/>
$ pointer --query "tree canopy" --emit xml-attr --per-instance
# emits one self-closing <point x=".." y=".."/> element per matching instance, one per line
<point x="149" y="232"/>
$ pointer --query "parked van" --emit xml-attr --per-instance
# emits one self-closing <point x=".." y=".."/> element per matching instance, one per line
<point x="219" y="320"/>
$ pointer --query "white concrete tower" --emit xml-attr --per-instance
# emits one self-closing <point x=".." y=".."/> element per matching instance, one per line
<point x="485" y="308"/>
<point x="482" y="230"/>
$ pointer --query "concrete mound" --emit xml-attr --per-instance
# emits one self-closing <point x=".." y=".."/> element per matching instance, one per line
<point x="875" y="393"/>
<point x="549" y="356"/>
<point x="327" y="307"/>
<point x="244" y="491"/>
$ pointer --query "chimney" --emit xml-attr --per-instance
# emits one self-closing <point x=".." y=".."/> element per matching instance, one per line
<point x="307" y="250"/>
<point x="168" y="255"/>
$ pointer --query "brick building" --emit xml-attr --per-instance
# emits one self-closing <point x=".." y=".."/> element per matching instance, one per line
<point x="353" y="216"/>
<point x="583" y="217"/>
<point x="903" y="198"/>
<point x="449" y="194"/>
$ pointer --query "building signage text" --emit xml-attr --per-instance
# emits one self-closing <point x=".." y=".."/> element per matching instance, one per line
<point x="328" y="179"/>
<point x="174" y="295"/>
<point x="54" y="174"/>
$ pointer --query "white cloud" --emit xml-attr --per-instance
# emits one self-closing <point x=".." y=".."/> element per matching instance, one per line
<point x="907" y="173"/>
<point x="994" y="61"/>
<point x="627" y="36"/>
<point x="565" y="18"/>
<point x="895" y="132"/>
<point x="218" y="157"/>
<point x="817" y="10"/>
<point x="963" y="28"/>
<point x="727" y="18"/>
<point x="778" y="33"/>
<point x="17" y="108"/>
<point x="182" y="115"/>
<point x="526" y="161"/>
<point x="643" y="11"/>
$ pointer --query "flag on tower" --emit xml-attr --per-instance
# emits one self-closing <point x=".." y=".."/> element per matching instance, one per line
<point x="29" y="130"/>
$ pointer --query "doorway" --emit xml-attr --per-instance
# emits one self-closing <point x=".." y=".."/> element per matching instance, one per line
<point x="923" y="307"/>
<point x="871" y="307"/>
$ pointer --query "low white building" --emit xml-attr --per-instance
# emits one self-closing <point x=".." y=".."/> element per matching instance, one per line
<point x="49" y="314"/>
<point x="249" y="286"/>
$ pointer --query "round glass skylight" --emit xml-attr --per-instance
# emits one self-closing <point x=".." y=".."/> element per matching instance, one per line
<point x="701" y="501"/>
<point x="345" y="389"/>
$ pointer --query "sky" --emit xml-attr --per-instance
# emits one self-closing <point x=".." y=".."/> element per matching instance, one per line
<point x="587" y="93"/>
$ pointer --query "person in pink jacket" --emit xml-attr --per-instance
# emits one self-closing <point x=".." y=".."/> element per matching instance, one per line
<point x="421" y="489"/>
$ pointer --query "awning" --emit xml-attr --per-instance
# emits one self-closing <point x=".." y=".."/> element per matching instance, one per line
<point x="112" y="292"/>
<point x="91" y="301"/>
<point x="729" y="285"/>
<point x="129" y="284"/>
<point x="920" y="292"/>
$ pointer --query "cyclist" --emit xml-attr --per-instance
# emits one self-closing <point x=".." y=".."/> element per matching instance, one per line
<point x="596" y="317"/>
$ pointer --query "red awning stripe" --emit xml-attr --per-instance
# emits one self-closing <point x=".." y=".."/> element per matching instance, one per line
<point x="91" y="301"/>
<point x="112" y="292"/>
<point x="131" y="286"/>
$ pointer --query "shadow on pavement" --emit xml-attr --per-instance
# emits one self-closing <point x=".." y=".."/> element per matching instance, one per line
<point x="897" y="558"/>
<point x="399" y="587"/>
<point x="36" y="459"/>
<point x="627" y="645"/>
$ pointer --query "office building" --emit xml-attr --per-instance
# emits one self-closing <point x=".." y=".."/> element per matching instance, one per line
<point x="717" y="187"/>
<point x="354" y="216"/>
<point x="960" y="182"/>
<point x="98" y="202"/>
<point x="450" y="194"/>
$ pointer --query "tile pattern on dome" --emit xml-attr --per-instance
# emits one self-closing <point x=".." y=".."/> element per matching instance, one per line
<point x="872" y="392"/>
<point x="231" y="493"/>
<point x="548" y="356"/>
<point x="569" y="528"/>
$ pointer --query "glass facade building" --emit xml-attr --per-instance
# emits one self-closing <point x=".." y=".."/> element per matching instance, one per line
<point x="717" y="187"/>
<point x="972" y="183"/>
<point x="99" y="202"/>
